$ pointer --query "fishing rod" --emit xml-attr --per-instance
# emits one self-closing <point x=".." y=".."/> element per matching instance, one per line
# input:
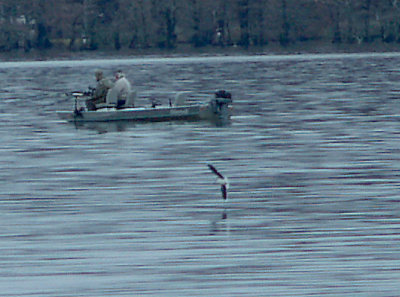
<point x="46" y="90"/>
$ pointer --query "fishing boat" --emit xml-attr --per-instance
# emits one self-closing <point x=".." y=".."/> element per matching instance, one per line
<point x="219" y="106"/>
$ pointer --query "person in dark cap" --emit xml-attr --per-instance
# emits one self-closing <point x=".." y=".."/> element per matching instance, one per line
<point x="100" y="93"/>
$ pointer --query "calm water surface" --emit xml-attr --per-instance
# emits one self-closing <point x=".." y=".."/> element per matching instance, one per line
<point x="129" y="209"/>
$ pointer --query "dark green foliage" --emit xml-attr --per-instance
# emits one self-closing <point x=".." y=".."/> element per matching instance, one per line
<point x="42" y="40"/>
<point x="243" y="17"/>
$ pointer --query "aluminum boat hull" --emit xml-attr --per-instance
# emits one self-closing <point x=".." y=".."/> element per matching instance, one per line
<point x="159" y="113"/>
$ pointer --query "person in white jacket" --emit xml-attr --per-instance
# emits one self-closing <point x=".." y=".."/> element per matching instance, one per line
<point x="118" y="94"/>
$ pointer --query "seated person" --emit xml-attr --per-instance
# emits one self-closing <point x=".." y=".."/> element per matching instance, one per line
<point x="119" y="93"/>
<point x="100" y="93"/>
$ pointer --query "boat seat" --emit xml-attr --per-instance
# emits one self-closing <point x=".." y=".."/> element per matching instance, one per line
<point x="180" y="99"/>
<point x="130" y="101"/>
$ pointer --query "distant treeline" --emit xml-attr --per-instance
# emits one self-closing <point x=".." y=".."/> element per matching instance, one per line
<point x="145" y="24"/>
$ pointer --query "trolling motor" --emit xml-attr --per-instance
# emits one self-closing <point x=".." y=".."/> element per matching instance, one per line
<point x="90" y="91"/>
<point x="77" y="111"/>
<point x="79" y="94"/>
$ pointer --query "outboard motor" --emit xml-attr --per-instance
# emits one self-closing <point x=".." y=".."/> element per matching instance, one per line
<point x="223" y="94"/>
<point x="220" y="104"/>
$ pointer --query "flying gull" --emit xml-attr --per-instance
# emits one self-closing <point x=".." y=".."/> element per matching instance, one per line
<point x="222" y="180"/>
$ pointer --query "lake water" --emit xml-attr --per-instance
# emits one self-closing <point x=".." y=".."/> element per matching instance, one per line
<point x="130" y="209"/>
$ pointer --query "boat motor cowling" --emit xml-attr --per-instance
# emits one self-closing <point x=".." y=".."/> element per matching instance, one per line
<point x="223" y="94"/>
<point x="221" y="102"/>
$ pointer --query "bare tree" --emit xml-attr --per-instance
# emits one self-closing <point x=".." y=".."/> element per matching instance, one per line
<point x="116" y="24"/>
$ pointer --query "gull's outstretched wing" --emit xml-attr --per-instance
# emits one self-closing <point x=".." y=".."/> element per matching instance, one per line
<point x="223" y="181"/>
<point x="212" y="168"/>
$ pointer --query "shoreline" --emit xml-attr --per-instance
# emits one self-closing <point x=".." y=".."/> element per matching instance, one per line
<point x="270" y="50"/>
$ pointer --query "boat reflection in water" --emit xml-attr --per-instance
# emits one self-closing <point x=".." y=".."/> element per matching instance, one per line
<point x="105" y="127"/>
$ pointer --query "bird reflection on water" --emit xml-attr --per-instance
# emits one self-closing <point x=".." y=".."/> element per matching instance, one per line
<point x="220" y="223"/>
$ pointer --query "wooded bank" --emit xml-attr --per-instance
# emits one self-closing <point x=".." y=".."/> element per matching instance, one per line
<point x="167" y="24"/>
